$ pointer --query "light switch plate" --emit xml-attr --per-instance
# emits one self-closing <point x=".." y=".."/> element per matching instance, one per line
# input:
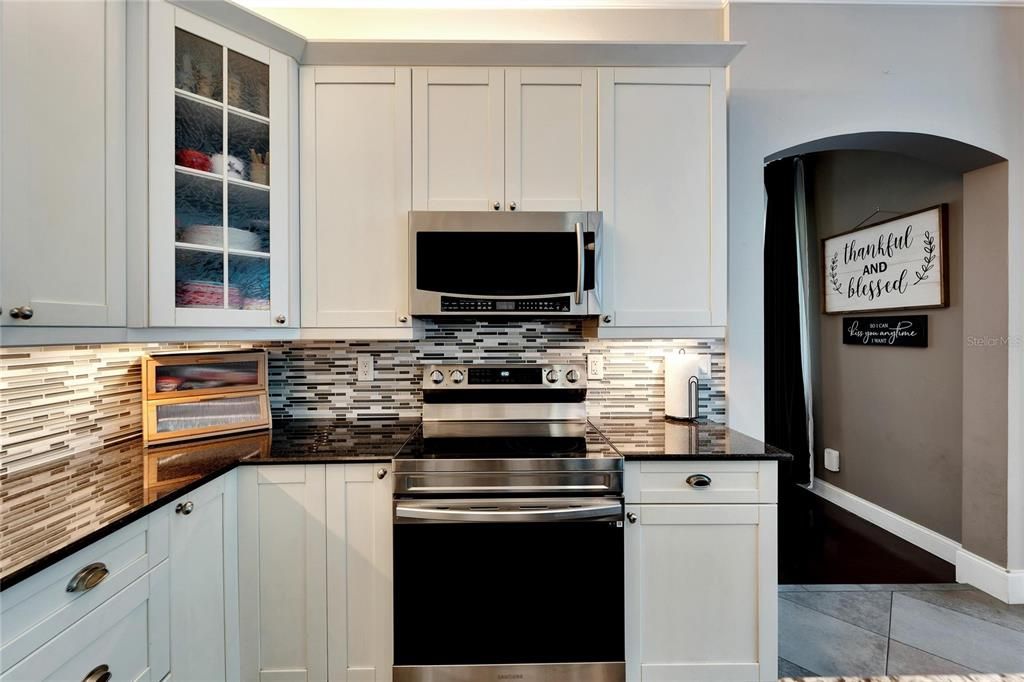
<point x="831" y="459"/>
<point x="364" y="368"/>
<point x="595" y="366"/>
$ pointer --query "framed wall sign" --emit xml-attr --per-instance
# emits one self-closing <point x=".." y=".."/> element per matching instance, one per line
<point x="891" y="330"/>
<point x="892" y="265"/>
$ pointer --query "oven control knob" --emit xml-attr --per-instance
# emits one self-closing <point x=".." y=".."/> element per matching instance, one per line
<point x="457" y="376"/>
<point x="437" y="376"/>
<point x="552" y="376"/>
<point x="572" y="376"/>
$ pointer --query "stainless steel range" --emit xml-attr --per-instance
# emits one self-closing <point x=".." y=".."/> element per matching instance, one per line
<point x="508" y="534"/>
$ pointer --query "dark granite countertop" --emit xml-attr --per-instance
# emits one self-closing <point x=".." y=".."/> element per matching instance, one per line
<point x="50" y="511"/>
<point x="642" y="437"/>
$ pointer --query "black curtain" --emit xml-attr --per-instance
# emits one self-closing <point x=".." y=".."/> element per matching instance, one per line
<point x="785" y="413"/>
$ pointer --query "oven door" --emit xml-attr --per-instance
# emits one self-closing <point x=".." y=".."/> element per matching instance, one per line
<point x="479" y="263"/>
<point x="523" y="589"/>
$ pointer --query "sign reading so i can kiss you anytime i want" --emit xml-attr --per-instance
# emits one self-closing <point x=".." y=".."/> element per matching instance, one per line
<point x="892" y="265"/>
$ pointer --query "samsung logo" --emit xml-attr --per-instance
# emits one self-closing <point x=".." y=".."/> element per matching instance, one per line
<point x="510" y="676"/>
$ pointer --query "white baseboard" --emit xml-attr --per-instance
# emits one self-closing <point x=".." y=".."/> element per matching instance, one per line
<point x="901" y="527"/>
<point x="1005" y="585"/>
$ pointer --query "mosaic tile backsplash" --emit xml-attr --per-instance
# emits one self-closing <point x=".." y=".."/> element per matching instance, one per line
<point x="60" y="399"/>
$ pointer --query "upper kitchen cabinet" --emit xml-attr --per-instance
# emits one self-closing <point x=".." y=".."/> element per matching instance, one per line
<point x="499" y="139"/>
<point x="222" y="118"/>
<point x="458" y="128"/>
<point x="551" y="139"/>
<point x="356" y="195"/>
<point x="62" y="212"/>
<point x="662" y="190"/>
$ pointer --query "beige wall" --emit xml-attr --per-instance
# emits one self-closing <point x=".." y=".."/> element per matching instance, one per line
<point x="483" y="24"/>
<point x="985" y="358"/>
<point x="894" y="414"/>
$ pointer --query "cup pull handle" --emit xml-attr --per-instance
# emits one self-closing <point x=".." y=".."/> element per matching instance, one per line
<point x="100" y="673"/>
<point x="88" y="577"/>
<point x="698" y="481"/>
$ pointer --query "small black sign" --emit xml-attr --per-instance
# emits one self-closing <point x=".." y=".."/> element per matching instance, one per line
<point x="893" y="330"/>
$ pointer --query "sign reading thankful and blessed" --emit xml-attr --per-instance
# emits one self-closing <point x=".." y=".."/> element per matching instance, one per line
<point x="899" y="263"/>
<point x="908" y="330"/>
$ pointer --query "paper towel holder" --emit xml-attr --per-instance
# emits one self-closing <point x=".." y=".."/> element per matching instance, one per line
<point x="692" y="399"/>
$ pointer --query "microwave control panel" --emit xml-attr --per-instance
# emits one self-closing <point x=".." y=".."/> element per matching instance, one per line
<point x="552" y="304"/>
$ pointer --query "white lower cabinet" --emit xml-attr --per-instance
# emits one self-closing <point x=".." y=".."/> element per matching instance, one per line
<point x="204" y="581"/>
<point x="315" y="569"/>
<point x="125" y="638"/>
<point x="701" y="583"/>
<point x="282" y="572"/>
<point x="359" y="567"/>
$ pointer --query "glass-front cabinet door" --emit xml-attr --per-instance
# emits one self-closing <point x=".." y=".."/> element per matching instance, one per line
<point x="219" y="167"/>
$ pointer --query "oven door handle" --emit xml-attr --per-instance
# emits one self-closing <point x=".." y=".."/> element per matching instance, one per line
<point x="579" y="263"/>
<point x="608" y="510"/>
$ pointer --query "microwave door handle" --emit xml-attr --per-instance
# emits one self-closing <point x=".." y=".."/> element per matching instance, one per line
<point x="579" y="263"/>
<point x="513" y="515"/>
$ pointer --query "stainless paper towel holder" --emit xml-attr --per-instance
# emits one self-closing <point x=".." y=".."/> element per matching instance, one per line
<point x="692" y="399"/>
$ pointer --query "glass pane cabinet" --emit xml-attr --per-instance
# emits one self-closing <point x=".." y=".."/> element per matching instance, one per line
<point x="220" y="165"/>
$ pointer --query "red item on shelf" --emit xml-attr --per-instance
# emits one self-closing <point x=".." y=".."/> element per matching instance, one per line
<point x="193" y="158"/>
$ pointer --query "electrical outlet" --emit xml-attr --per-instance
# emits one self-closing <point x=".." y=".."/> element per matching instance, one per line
<point x="595" y="366"/>
<point x="831" y="459"/>
<point x="364" y="368"/>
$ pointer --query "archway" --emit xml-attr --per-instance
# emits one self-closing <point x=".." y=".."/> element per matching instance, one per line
<point x="922" y="433"/>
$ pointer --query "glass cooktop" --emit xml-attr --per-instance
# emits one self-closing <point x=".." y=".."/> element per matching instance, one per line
<point x="511" y="440"/>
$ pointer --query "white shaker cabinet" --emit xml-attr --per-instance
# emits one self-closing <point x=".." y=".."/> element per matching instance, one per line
<point x="223" y="130"/>
<point x="315" y="560"/>
<point x="282" y="562"/>
<point x="458" y="128"/>
<point x="494" y="139"/>
<point x="356" y="195"/>
<point x="359" y="573"/>
<point x="701" y="574"/>
<point x="551" y="139"/>
<point x="62" y="151"/>
<point x="661" y="189"/>
<point x="203" y="562"/>
<point x="125" y="638"/>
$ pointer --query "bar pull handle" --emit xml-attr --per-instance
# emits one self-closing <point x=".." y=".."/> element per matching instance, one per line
<point x="579" y="263"/>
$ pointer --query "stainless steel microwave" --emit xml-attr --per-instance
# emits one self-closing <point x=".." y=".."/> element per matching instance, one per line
<point x="477" y="263"/>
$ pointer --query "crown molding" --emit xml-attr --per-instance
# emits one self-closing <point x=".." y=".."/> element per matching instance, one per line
<point x="480" y="5"/>
<point x="517" y="53"/>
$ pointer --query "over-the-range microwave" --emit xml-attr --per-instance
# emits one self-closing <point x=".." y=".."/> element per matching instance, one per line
<point x="477" y="263"/>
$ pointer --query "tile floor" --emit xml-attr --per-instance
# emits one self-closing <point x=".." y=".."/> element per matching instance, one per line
<point x="862" y="630"/>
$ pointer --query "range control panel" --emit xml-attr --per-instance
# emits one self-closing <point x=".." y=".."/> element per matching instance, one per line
<point x="504" y="376"/>
<point x="552" y="304"/>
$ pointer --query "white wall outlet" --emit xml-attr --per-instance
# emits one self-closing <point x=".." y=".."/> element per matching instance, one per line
<point x="364" y="368"/>
<point x="831" y="459"/>
<point x="595" y="366"/>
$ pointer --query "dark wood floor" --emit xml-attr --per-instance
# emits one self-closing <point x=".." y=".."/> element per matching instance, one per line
<point x="820" y="543"/>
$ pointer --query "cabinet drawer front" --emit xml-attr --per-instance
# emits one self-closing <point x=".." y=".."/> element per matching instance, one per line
<point x="708" y="482"/>
<point x="124" y="634"/>
<point x="36" y="610"/>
